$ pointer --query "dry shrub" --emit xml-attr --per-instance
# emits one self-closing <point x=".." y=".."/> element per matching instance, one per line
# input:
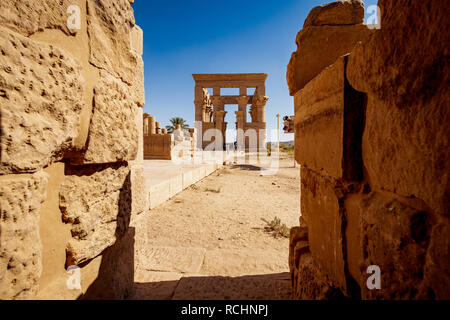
<point x="277" y="229"/>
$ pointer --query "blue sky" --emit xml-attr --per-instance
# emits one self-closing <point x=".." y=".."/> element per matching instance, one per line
<point x="182" y="37"/>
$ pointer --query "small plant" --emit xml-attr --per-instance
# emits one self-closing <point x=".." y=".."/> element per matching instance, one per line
<point x="276" y="228"/>
<point x="213" y="190"/>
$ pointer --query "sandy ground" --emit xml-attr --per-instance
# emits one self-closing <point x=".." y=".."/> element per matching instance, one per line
<point x="209" y="242"/>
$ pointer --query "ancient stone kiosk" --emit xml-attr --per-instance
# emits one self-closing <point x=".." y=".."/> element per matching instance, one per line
<point x="210" y="110"/>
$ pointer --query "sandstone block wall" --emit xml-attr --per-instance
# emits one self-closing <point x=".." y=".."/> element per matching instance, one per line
<point x="71" y="147"/>
<point x="371" y="135"/>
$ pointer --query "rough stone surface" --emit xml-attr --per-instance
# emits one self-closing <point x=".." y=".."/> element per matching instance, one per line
<point x="41" y="90"/>
<point x="257" y="287"/>
<point x="138" y="89"/>
<point x="113" y="133"/>
<point x="346" y="12"/>
<point x="139" y="197"/>
<point x="21" y="198"/>
<point x="437" y="268"/>
<point x="322" y="210"/>
<point x="391" y="208"/>
<point x="395" y="238"/>
<point x="96" y="201"/>
<point x="319" y="47"/>
<point x="70" y="108"/>
<point x="329" y="123"/>
<point x="410" y="155"/>
<point x="408" y="98"/>
<point x="394" y="64"/>
<point x="116" y="275"/>
<point x="319" y="121"/>
<point x="109" y="27"/>
<point x="29" y="16"/>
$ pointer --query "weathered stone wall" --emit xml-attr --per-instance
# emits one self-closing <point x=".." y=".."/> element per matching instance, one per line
<point x="372" y="138"/>
<point x="71" y="147"/>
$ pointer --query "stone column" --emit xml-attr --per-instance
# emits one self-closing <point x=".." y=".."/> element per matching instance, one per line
<point x="145" y="123"/>
<point x="164" y="131"/>
<point x="158" y="128"/>
<point x="151" y="125"/>
<point x="242" y="105"/>
<point x="218" y="106"/>
<point x="253" y="113"/>
<point x="260" y="105"/>
<point x="198" y="103"/>
<point x="220" y="124"/>
<point x="240" y="136"/>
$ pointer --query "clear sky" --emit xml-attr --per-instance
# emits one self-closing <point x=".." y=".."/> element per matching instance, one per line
<point x="182" y="37"/>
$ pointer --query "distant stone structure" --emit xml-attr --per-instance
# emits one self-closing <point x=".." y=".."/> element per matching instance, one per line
<point x="371" y="135"/>
<point x="158" y="144"/>
<point x="210" y="110"/>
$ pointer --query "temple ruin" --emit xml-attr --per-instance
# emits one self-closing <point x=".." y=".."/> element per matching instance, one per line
<point x="371" y="136"/>
<point x="162" y="145"/>
<point x="210" y="109"/>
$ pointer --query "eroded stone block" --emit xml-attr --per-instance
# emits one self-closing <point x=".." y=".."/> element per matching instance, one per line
<point x="407" y="88"/>
<point x="21" y="198"/>
<point x="322" y="208"/>
<point x="318" y="48"/>
<point x="348" y="12"/>
<point x="96" y="201"/>
<point x="113" y="132"/>
<point x="329" y="124"/>
<point x="137" y="40"/>
<point x="139" y="194"/>
<point x="319" y="121"/>
<point x="29" y="16"/>
<point x="395" y="237"/>
<point x="41" y="93"/>
<point x="436" y="271"/>
<point x="110" y="29"/>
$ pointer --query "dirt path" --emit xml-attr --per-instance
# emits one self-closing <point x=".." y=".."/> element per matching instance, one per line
<point x="209" y="242"/>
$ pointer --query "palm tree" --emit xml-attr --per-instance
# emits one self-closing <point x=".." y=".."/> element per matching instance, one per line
<point x="177" y="120"/>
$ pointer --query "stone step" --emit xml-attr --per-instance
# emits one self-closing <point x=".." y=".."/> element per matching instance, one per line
<point x="164" y="178"/>
<point x="239" y="262"/>
<point x="170" y="259"/>
<point x="253" y="287"/>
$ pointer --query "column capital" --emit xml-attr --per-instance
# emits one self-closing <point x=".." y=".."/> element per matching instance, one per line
<point x="242" y="100"/>
<point x="216" y="100"/>
<point x="260" y="101"/>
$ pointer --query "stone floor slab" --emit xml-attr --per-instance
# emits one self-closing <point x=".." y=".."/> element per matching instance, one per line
<point x="171" y="259"/>
<point x="244" y="262"/>
<point x="256" y="287"/>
